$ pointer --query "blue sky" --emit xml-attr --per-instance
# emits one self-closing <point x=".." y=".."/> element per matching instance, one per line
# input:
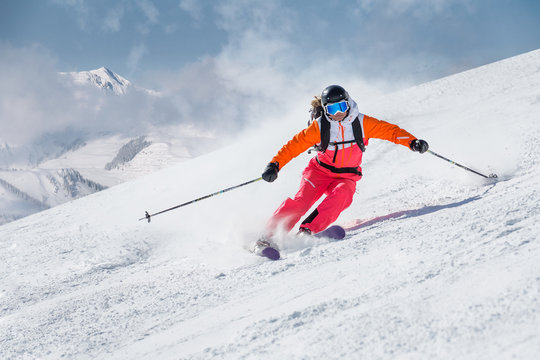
<point x="404" y="40"/>
<point x="234" y="63"/>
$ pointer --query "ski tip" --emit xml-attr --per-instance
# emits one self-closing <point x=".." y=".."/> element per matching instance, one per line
<point x="333" y="233"/>
<point x="339" y="232"/>
<point x="271" y="253"/>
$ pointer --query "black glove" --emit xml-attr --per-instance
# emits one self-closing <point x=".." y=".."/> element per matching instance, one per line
<point x="419" y="145"/>
<point x="270" y="172"/>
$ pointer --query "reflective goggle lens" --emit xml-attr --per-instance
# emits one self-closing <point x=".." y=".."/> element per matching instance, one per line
<point x="333" y="109"/>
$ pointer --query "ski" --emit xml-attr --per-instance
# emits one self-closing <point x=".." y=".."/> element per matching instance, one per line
<point x="266" y="249"/>
<point x="271" y="253"/>
<point x="333" y="233"/>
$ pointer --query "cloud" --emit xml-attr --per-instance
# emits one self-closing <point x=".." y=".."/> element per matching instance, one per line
<point x="279" y="46"/>
<point x="135" y="55"/>
<point x="113" y="19"/>
<point x="169" y="29"/>
<point x="243" y="85"/>
<point x="28" y="82"/>
<point x="80" y="8"/>
<point x="193" y="7"/>
<point x="149" y="10"/>
<point x="265" y="18"/>
<point x="261" y="75"/>
<point x="417" y="8"/>
<point x="102" y="16"/>
<point x="41" y="110"/>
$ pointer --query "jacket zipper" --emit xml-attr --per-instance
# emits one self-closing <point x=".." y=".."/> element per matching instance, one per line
<point x="342" y="145"/>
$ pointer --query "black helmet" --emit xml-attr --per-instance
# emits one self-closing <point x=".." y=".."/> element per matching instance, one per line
<point x="333" y="94"/>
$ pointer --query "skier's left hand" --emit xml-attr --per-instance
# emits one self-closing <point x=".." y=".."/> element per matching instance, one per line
<point x="419" y="145"/>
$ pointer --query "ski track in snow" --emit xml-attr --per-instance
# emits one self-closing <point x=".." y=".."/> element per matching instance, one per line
<point x="436" y="264"/>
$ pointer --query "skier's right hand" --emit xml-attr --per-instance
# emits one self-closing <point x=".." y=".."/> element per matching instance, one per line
<point x="270" y="172"/>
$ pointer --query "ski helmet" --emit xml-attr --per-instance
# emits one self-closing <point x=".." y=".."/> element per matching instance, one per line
<point x="333" y="94"/>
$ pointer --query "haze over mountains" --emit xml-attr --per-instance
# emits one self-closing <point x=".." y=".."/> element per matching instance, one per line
<point x="75" y="161"/>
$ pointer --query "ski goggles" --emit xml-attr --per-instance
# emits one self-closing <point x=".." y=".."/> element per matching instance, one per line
<point x="333" y="109"/>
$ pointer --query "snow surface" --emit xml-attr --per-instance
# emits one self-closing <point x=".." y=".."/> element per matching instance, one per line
<point x="438" y="262"/>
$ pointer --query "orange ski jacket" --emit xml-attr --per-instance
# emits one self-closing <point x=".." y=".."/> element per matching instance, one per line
<point x="342" y="155"/>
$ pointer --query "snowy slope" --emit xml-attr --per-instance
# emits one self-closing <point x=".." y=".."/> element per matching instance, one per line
<point x="439" y="263"/>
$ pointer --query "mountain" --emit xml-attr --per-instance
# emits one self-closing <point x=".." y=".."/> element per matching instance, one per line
<point x="89" y="166"/>
<point x="30" y="175"/>
<point x="41" y="189"/>
<point x="438" y="262"/>
<point x="102" y="78"/>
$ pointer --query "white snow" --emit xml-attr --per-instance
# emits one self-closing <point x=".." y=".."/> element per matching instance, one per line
<point x="439" y="263"/>
<point x="103" y="78"/>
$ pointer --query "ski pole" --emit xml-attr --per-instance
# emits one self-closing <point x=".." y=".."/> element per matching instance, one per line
<point x="490" y="176"/>
<point x="148" y="216"/>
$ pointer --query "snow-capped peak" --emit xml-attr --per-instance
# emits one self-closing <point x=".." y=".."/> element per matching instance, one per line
<point x="102" y="78"/>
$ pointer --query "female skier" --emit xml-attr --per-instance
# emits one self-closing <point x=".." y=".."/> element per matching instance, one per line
<point x="339" y="132"/>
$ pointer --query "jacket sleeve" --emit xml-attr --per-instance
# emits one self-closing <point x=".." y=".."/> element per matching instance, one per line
<point x="302" y="141"/>
<point x="379" y="129"/>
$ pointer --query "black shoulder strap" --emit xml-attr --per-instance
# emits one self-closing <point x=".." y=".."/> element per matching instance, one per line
<point x="358" y="135"/>
<point x="325" y="132"/>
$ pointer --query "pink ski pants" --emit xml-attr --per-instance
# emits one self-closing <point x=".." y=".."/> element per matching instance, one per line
<point x="316" y="182"/>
